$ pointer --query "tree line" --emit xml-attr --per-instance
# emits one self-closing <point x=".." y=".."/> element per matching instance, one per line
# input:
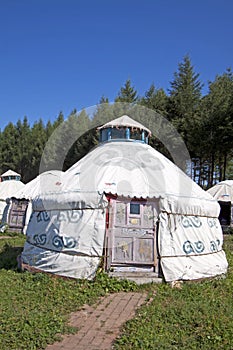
<point x="205" y="124"/>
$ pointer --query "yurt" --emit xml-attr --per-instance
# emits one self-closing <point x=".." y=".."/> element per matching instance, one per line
<point x="10" y="184"/>
<point x="126" y="206"/>
<point x="223" y="193"/>
<point x="19" y="207"/>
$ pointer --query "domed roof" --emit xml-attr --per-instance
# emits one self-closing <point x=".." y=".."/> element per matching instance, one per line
<point x="10" y="175"/>
<point x="9" y="188"/>
<point x="133" y="170"/>
<point x="124" y="121"/>
<point x="223" y="191"/>
<point x="47" y="182"/>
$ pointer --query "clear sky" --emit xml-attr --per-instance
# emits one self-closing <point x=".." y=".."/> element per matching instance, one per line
<point x="57" y="55"/>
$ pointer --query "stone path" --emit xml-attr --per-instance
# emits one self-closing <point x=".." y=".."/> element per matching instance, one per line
<point x="100" y="324"/>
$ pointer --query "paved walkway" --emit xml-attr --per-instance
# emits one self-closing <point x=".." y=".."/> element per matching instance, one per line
<point x="100" y="324"/>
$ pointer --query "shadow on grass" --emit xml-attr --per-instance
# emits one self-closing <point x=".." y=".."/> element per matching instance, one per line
<point x="8" y="257"/>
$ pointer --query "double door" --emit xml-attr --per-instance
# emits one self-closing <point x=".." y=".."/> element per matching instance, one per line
<point x="132" y="234"/>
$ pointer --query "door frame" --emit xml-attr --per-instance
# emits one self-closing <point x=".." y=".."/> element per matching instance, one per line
<point x="131" y="231"/>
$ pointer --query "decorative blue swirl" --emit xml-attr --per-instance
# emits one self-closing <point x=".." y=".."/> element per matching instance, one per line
<point x="212" y="222"/>
<point x="214" y="245"/>
<point x="58" y="242"/>
<point x="43" y="216"/>
<point x="69" y="242"/>
<point x="188" y="247"/>
<point x="64" y="242"/>
<point x="191" y="221"/>
<point x="61" y="216"/>
<point x="40" y="239"/>
<point x="196" y="247"/>
<point x="69" y="216"/>
<point x="74" y="216"/>
<point x="199" y="246"/>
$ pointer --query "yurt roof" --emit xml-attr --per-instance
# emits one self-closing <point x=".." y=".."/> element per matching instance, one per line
<point x="135" y="170"/>
<point x="10" y="188"/>
<point x="223" y="191"/>
<point x="125" y="121"/>
<point x="10" y="173"/>
<point x="47" y="182"/>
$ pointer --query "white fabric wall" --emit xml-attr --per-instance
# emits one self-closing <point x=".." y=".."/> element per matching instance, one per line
<point x="66" y="265"/>
<point x="190" y="247"/>
<point x="68" y="242"/>
<point x="3" y="205"/>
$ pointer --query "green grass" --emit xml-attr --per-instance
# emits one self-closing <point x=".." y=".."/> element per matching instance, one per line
<point x="198" y="316"/>
<point x="34" y="308"/>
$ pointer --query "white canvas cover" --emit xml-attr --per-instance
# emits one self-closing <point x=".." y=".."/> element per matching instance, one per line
<point x="65" y="234"/>
<point x="47" y="182"/>
<point x="10" y="173"/>
<point x="134" y="170"/>
<point x="8" y="189"/>
<point x="223" y="191"/>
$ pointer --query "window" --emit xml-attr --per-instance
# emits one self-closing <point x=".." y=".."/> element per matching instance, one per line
<point x="136" y="134"/>
<point x="103" y="135"/>
<point x="118" y="133"/>
<point x="135" y="208"/>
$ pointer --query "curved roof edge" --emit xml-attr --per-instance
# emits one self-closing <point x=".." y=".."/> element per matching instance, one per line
<point x="124" y="120"/>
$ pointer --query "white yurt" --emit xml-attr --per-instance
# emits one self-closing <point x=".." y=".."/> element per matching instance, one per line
<point x="10" y="184"/>
<point x="19" y="207"/>
<point x="223" y="193"/>
<point x="127" y="206"/>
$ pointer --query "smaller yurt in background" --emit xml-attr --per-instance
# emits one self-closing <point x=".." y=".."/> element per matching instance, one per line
<point x="19" y="207"/>
<point x="223" y="193"/>
<point x="10" y="184"/>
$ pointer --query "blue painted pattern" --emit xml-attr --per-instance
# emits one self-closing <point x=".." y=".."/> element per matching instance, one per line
<point x="191" y="221"/>
<point x="193" y="247"/>
<point x="212" y="222"/>
<point x="199" y="247"/>
<point x="59" y="242"/>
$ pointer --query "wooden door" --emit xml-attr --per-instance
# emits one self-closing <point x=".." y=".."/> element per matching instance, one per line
<point x="17" y="215"/>
<point x="132" y="229"/>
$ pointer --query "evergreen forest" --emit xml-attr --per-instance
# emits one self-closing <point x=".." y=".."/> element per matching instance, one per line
<point x="204" y="122"/>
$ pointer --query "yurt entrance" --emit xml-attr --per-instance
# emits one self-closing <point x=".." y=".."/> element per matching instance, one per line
<point x="131" y="235"/>
<point x="16" y="219"/>
<point x="225" y="213"/>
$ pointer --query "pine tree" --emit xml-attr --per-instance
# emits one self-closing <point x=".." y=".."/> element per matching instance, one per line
<point x="155" y="99"/>
<point x="219" y="120"/>
<point x="127" y="93"/>
<point x="24" y="147"/>
<point x="9" y="148"/>
<point x="39" y="138"/>
<point x="78" y="128"/>
<point x="185" y="97"/>
<point x="53" y="153"/>
<point x="104" y="99"/>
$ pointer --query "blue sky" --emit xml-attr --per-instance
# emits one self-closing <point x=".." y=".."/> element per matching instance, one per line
<point x="57" y="55"/>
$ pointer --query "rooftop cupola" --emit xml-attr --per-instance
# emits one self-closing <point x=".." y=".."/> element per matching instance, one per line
<point x="124" y="128"/>
<point x="10" y="175"/>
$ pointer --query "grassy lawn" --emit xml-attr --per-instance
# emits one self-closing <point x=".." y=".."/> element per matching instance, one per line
<point x="198" y="316"/>
<point x="34" y="308"/>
